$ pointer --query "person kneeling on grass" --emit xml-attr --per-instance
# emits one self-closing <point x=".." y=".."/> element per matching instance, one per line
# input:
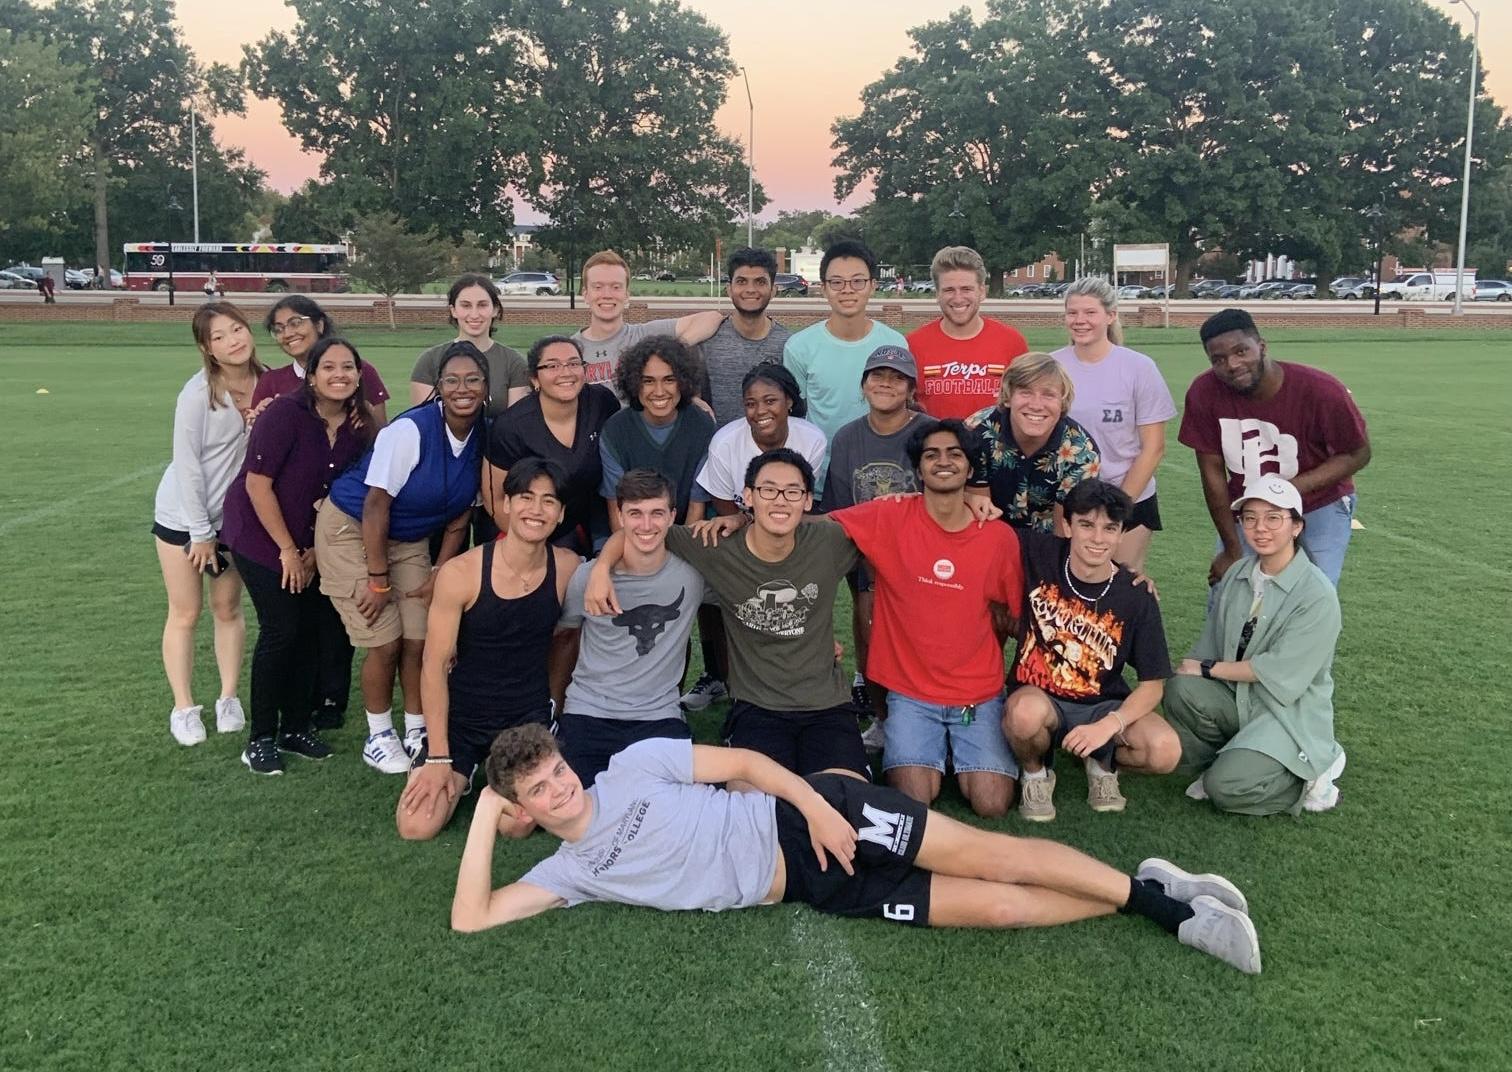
<point x="492" y="617"/>
<point x="656" y="831"/>
<point x="1253" y="705"/>
<point x="1085" y="618"/>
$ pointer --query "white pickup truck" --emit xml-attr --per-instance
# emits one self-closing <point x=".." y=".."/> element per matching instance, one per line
<point x="1435" y="285"/>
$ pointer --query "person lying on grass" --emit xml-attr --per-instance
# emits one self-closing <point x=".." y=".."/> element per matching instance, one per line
<point x="655" y="830"/>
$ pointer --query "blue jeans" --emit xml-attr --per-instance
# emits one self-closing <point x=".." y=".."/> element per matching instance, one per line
<point x="921" y="734"/>
<point x="1325" y="537"/>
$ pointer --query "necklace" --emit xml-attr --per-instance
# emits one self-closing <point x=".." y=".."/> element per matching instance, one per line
<point x="1094" y="600"/>
<point x="525" y="586"/>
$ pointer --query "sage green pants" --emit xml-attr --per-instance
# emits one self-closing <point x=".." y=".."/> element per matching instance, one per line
<point x="1205" y="716"/>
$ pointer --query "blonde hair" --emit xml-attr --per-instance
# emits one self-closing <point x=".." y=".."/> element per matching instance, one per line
<point x="609" y="257"/>
<point x="1029" y="369"/>
<point x="1090" y="286"/>
<point x="957" y="258"/>
<point x="200" y="325"/>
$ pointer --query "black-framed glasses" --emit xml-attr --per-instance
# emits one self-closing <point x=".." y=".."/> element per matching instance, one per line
<point x="842" y="285"/>
<point x="770" y="492"/>
<point x="291" y="324"/>
<point x="564" y="366"/>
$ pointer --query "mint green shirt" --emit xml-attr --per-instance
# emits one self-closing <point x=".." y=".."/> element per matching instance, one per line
<point x="828" y="371"/>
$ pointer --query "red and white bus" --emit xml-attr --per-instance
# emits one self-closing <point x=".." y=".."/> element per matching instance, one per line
<point x="271" y="267"/>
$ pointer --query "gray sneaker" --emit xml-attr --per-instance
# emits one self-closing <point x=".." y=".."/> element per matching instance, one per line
<point x="1102" y="790"/>
<point x="1037" y="798"/>
<point x="1185" y="886"/>
<point x="1222" y="932"/>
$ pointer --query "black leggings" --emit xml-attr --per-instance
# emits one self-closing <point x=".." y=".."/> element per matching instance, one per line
<point x="285" y="661"/>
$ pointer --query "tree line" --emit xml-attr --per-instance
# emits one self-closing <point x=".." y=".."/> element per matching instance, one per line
<point x="1245" y="128"/>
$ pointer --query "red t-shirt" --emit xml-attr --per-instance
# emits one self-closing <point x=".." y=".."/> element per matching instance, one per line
<point x="1311" y="419"/>
<point x="286" y="380"/>
<point x="957" y="377"/>
<point x="932" y="637"/>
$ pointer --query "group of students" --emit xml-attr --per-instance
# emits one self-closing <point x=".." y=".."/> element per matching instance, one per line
<point x="624" y="482"/>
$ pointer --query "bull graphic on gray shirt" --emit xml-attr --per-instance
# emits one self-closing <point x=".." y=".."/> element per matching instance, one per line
<point x="648" y="621"/>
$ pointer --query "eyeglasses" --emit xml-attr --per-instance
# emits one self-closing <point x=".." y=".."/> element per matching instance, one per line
<point x="564" y="366"/>
<point x="770" y="492"/>
<point x="842" y="285"/>
<point x="472" y="380"/>
<point x="1274" y="519"/>
<point x="291" y="324"/>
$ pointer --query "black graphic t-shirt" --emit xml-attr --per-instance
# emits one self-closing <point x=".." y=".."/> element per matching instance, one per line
<point x="1075" y="648"/>
<point x="779" y="616"/>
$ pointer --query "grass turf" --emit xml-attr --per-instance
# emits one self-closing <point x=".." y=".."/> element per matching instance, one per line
<point x="162" y="909"/>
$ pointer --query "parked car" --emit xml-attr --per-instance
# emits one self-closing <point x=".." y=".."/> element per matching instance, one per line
<point x="116" y="280"/>
<point x="1295" y="291"/>
<point x="1207" y="288"/>
<point x="10" y="280"/>
<point x="921" y="286"/>
<point x="788" y="285"/>
<point x="665" y="276"/>
<point x="1346" y="282"/>
<point x="1365" y="288"/>
<point x="1493" y="290"/>
<point x="1131" y="292"/>
<point x="1260" y="290"/>
<point x="28" y="271"/>
<point x="537" y="283"/>
<point x="75" y="278"/>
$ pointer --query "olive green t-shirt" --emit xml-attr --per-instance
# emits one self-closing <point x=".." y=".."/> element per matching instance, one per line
<point x="506" y="369"/>
<point x="779" y="616"/>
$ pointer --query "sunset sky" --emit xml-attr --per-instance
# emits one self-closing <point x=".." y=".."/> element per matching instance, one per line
<point x="799" y="89"/>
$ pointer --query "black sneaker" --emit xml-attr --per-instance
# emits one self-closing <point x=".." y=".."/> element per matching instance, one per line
<point x="304" y="743"/>
<point x="329" y="717"/>
<point x="261" y="756"/>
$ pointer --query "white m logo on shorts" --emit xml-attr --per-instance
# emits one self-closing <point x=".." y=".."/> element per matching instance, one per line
<point x="889" y="829"/>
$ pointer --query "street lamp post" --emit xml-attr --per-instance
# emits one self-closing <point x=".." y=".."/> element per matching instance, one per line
<point x="194" y="163"/>
<point x="177" y="209"/>
<point x="750" y="162"/>
<point x="1459" y="272"/>
<point x="1375" y="214"/>
<point x="571" y="217"/>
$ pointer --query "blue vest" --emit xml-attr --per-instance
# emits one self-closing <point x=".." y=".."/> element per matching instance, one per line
<point x="439" y="488"/>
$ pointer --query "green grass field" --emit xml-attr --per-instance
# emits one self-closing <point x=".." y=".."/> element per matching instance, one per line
<point x="162" y="909"/>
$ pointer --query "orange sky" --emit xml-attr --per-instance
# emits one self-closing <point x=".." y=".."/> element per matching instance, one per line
<point x="798" y="94"/>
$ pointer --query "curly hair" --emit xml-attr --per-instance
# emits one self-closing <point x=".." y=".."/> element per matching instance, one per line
<point x="515" y="751"/>
<point x="632" y="365"/>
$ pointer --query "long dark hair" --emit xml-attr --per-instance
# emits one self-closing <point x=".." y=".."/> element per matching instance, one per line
<point x="307" y="307"/>
<point x="359" y="413"/>
<point x="453" y="352"/>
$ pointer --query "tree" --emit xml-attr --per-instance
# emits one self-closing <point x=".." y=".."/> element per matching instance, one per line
<point x="143" y="80"/>
<point x="44" y="123"/>
<point x="624" y="96"/>
<point x="981" y="136"/>
<point x="419" y="110"/>
<point x="394" y="259"/>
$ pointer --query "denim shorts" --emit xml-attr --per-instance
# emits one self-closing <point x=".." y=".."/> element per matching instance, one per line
<point x="921" y="734"/>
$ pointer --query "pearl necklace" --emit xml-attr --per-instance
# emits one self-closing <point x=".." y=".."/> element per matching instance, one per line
<point x="1094" y="600"/>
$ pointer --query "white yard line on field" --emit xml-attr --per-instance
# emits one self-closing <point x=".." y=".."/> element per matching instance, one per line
<point x="64" y="506"/>
<point x="843" y="1005"/>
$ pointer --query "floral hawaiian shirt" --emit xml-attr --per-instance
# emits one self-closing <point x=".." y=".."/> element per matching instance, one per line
<point x="1027" y="489"/>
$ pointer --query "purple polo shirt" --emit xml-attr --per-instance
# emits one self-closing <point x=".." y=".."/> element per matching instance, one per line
<point x="286" y="380"/>
<point x="288" y="444"/>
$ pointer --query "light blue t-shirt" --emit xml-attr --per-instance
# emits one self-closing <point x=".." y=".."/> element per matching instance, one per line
<point x="660" y="840"/>
<point x="828" y="371"/>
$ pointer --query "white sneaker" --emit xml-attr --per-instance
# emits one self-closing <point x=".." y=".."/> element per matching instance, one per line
<point x="229" y="716"/>
<point x="705" y="691"/>
<point x="1197" y="791"/>
<point x="186" y="725"/>
<point x="874" y="739"/>
<point x="414" y="742"/>
<point x="1222" y="932"/>
<point x="1321" y="794"/>
<point x="384" y="752"/>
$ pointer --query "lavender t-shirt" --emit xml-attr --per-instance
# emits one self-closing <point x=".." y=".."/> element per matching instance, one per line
<point x="1114" y="397"/>
<point x="660" y="840"/>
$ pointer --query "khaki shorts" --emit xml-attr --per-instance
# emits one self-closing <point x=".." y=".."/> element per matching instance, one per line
<point x="344" y="573"/>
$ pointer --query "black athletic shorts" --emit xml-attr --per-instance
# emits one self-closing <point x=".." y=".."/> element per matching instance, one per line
<point x="889" y="829"/>
<point x="589" y="743"/>
<point x="805" y="742"/>
<point x="1146" y="513"/>
<point x="470" y="742"/>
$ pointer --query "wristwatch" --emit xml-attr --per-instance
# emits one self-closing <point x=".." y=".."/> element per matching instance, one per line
<point x="1207" y="668"/>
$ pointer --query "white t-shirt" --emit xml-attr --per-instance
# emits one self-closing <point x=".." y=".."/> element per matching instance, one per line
<point x="208" y="449"/>
<point x="396" y="452"/>
<point x="1114" y="398"/>
<point x="733" y="447"/>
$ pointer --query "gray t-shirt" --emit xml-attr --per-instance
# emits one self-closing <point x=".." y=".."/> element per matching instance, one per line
<point x="602" y="355"/>
<point x="506" y="369"/>
<point x="630" y="664"/>
<point x="728" y="356"/>
<point x="864" y="465"/>
<point x="660" y="840"/>
<point x="779" y="616"/>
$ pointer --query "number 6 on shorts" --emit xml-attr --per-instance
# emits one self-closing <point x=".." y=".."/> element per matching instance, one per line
<point x="903" y="913"/>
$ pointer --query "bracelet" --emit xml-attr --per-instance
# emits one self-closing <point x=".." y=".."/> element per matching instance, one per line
<point x="288" y="550"/>
<point x="383" y="574"/>
<point x="438" y="760"/>
<point x="374" y="588"/>
<point x="1122" y="725"/>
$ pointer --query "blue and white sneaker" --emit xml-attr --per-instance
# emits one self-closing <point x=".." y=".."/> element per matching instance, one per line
<point x="385" y="753"/>
<point x="414" y="742"/>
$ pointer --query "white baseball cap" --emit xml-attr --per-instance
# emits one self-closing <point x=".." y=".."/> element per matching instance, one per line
<point x="1272" y="489"/>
